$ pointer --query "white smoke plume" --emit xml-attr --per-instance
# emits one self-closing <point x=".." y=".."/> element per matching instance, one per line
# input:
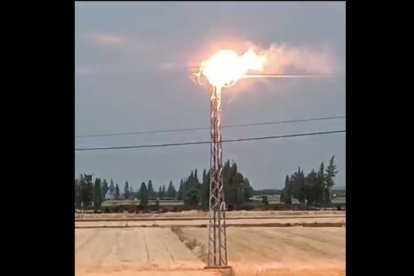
<point x="282" y="59"/>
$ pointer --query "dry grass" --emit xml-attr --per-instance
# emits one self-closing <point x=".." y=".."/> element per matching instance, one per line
<point x="282" y="251"/>
<point x="197" y="247"/>
<point x="175" y="250"/>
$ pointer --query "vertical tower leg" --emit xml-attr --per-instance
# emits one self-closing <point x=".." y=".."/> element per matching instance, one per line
<point x="217" y="248"/>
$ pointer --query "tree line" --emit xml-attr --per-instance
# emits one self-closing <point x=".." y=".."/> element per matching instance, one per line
<point x="90" y="194"/>
<point x="314" y="189"/>
<point x="237" y="189"/>
<point x="192" y="191"/>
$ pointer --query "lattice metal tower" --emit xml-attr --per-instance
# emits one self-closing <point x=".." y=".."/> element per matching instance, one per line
<point x="217" y="244"/>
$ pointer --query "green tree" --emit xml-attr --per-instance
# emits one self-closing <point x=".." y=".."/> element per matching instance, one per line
<point x="143" y="195"/>
<point x="151" y="192"/>
<point x="297" y="184"/>
<point x="286" y="195"/>
<point x="105" y="188"/>
<point x="248" y="191"/>
<point x="330" y="174"/>
<point x="180" y="191"/>
<point x="78" y="200"/>
<point x="205" y="190"/>
<point x="311" y="188"/>
<point x="192" y="197"/>
<point x="97" y="195"/>
<point x="116" y="191"/>
<point x="195" y="176"/>
<point x="112" y="188"/>
<point x="314" y="189"/>
<point x="237" y="189"/>
<point x="265" y="201"/>
<point x="163" y="191"/>
<point x="322" y="185"/>
<point x="126" y="190"/>
<point x="190" y="190"/>
<point x="86" y="192"/>
<point x="171" y="192"/>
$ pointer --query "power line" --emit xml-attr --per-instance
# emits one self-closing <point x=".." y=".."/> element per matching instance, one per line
<point x="203" y="128"/>
<point x="208" y="142"/>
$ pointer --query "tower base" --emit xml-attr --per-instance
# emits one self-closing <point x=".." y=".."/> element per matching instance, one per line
<point x="224" y="270"/>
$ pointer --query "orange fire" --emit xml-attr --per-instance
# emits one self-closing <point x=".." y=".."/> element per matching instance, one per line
<point x="226" y="67"/>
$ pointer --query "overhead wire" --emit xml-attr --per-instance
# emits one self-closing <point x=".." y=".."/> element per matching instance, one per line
<point x="205" y="128"/>
<point x="208" y="142"/>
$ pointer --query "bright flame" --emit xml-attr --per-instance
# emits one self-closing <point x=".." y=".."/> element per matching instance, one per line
<point x="226" y="67"/>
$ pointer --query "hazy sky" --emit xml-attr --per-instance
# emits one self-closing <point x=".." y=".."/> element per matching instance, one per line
<point x="130" y="76"/>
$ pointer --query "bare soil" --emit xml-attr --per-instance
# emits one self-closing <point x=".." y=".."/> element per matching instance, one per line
<point x="168" y="249"/>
